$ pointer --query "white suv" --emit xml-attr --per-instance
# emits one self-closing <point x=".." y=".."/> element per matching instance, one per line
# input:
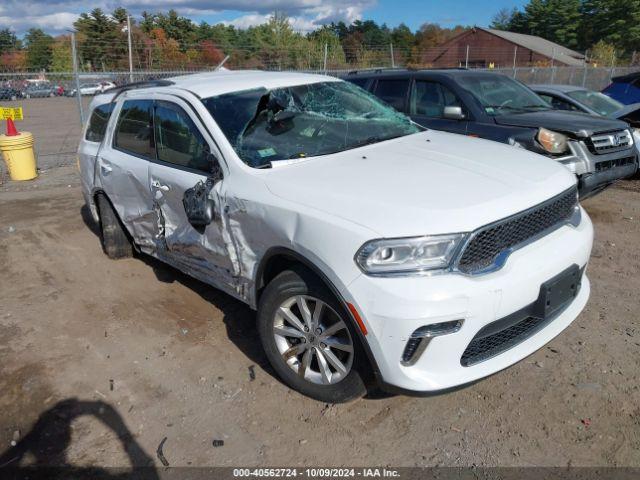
<point x="371" y="248"/>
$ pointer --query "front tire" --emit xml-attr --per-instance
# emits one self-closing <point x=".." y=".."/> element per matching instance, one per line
<point x="114" y="239"/>
<point x="308" y="338"/>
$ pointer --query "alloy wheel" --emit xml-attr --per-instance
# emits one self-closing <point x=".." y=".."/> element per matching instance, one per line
<point x="313" y="340"/>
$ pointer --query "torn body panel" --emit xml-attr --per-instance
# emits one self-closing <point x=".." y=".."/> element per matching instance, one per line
<point x="257" y="223"/>
<point x="125" y="181"/>
<point x="181" y="199"/>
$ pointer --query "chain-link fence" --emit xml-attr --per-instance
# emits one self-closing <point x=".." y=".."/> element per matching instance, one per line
<point x="53" y="106"/>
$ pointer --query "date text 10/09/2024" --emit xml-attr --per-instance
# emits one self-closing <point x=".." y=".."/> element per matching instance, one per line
<point x="316" y="472"/>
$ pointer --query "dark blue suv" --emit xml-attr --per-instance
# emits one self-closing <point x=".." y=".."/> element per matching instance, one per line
<point x="493" y="106"/>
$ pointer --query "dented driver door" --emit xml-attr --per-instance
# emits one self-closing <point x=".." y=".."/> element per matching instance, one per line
<point x="185" y="182"/>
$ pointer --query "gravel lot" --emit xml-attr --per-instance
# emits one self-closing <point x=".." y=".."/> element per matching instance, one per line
<point x="101" y="360"/>
<point x="55" y="123"/>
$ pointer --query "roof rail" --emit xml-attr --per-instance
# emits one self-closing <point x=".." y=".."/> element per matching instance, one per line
<point x="136" y="85"/>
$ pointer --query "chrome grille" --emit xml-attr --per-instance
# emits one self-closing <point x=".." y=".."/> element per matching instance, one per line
<point x="610" y="141"/>
<point x="487" y="243"/>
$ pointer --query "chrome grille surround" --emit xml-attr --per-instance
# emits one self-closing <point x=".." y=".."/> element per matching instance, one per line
<point x="610" y="141"/>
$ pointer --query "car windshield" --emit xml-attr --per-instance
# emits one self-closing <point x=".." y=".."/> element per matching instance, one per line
<point x="596" y="101"/>
<point x="307" y="120"/>
<point x="500" y="95"/>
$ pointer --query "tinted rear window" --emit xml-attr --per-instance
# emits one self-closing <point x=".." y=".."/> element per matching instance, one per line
<point x="361" y="82"/>
<point x="98" y="122"/>
<point x="134" y="132"/>
<point x="393" y="92"/>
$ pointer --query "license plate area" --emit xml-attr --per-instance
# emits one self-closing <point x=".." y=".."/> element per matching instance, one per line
<point x="557" y="292"/>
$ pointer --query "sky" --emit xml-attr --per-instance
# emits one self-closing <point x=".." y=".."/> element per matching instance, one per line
<point x="54" y="16"/>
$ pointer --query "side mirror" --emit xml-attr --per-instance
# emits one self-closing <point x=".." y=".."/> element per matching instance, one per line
<point x="453" y="113"/>
<point x="200" y="209"/>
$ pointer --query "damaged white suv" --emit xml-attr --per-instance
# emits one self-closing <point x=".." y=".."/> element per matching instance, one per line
<point x="371" y="249"/>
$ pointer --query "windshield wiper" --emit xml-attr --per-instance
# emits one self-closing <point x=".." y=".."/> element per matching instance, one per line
<point x="542" y="107"/>
<point x="506" y="107"/>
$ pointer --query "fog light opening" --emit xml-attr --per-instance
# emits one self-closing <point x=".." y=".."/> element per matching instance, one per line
<point x="420" y="339"/>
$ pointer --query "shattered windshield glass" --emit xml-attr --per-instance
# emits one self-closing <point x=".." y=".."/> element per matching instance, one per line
<point x="307" y="120"/>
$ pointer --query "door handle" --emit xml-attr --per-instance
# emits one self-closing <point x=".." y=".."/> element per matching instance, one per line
<point x="105" y="169"/>
<point x="158" y="186"/>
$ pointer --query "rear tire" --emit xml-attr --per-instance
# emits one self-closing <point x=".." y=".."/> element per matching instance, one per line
<point x="113" y="236"/>
<point x="326" y="368"/>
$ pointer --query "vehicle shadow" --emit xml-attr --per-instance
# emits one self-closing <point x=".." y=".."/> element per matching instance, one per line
<point x="44" y="447"/>
<point x="238" y="318"/>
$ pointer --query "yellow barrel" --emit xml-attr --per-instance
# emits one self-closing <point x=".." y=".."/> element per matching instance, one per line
<point x="18" y="155"/>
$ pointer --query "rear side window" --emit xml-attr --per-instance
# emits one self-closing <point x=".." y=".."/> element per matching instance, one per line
<point x="134" y="131"/>
<point x="178" y="140"/>
<point x="558" y="103"/>
<point x="430" y="98"/>
<point x="98" y="122"/>
<point x="393" y="92"/>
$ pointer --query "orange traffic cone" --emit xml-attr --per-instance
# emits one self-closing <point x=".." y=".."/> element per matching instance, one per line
<point x="11" y="128"/>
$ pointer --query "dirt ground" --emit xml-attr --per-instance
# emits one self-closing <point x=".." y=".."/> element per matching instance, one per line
<point x="55" y="123"/>
<point x="101" y="360"/>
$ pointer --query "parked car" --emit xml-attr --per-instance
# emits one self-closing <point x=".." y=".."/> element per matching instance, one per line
<point x="625" y="88"/>
<point x="90" y="88"/>
<point x="370" y="247"/>
<point x="8" y="93"/>
<point x="39" y="90"/>
<point x="496" y="107"/>
<point x="579" y="99"/>
<point x="104" y="86"/>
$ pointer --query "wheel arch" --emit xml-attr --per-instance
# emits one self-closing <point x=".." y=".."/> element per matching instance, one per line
<point x="94" y="199"/>
<point x="277" y="259"/>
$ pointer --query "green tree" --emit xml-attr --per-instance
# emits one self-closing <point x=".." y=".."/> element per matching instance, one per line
<point x="38" y="45"/>
<point x="8" y="41"/>
<point x="61" y="54"/>
<point x="578" y="24"/>
<point x="602" y="54"/>
<point x="616" y="22"/>
<point x="503" y="20"/>
<point x="120" y="15"/>
<point x="403" y="40"/>
<point x="175" y="27"/>
<point x="101" y="42"/>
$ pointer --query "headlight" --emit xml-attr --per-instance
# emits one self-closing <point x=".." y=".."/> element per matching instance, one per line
<point x="552" y="142"/>
<point x="408" y="255"/>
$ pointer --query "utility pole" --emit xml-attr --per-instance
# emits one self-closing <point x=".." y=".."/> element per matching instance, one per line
<point x="466" y="59"/>
<point x="76" y="75"/>
<point x="553" y="68"/>
<point x="613" y="65"/>
<point x="393" y="60"/>
<point x="515" y="55"/>
<point x="326" y="51"/>
<point x="130" y="53"/>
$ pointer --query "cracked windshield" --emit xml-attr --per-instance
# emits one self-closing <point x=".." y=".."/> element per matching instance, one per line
<point x="265" y="126"/>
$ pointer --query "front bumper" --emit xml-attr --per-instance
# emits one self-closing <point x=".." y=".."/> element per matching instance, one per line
<point x="596" y="172"/>
<point x="593" y="183"/>
<point x="394" y="307"/>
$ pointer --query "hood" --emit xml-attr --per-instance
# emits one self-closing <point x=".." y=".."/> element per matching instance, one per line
<point x="427" y="183"/>
<point x="577" y="123"/>
<point x="628" y="113"/>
